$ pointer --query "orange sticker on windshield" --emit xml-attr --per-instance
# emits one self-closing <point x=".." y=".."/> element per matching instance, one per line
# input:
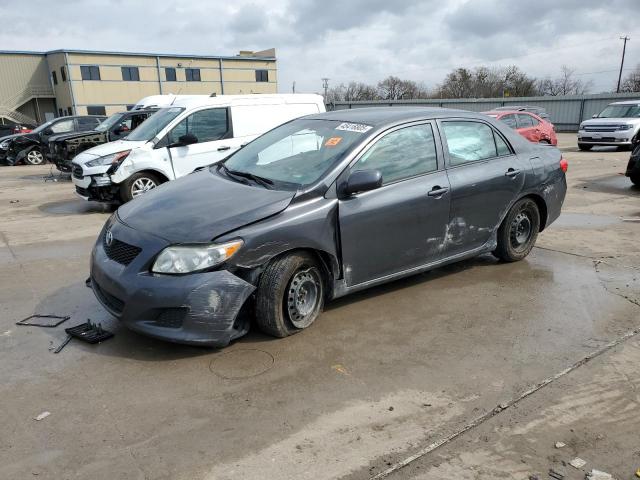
<point x="332" y="142"/>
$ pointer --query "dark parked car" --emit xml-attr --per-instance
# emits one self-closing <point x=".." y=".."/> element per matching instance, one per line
<point x="633" y="167"/>
<point x="32" y="147"/>
<point x="539" y="111"/>
<point x="63" y="147"/>
<point x="318" y="208"/>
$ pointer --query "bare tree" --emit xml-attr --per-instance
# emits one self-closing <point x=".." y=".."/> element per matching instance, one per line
<point x="394" y="88"/>
<point x="358" y="91"/>
<point x="631" y="82"/>
<point x="565" y="84"/>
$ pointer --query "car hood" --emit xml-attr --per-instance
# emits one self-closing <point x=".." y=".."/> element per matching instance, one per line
<point x="200" y="207"/>
<point x="106" y="149"/>
<point x="11" y="137"/>
<point x="611" y="121"/>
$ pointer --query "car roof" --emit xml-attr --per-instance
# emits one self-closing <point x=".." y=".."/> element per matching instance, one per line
<point x="626" y="102"/>
<point x="380" y="116"/>
<point x="283" y="98"/>
<point x="507" y="112"/>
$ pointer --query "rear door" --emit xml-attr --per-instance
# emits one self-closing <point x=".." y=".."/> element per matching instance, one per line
<point x="486" y="177"/>
<point x="527" y="127"/>
<point x="212" y="127"/>
<point x="400" y="225"/>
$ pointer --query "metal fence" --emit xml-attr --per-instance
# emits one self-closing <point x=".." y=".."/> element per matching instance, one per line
<point x="566" y="112"/>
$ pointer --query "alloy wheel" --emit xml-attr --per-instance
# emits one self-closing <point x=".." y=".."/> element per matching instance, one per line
<point x="142" y="185"/>
<point x="35" y="157"/>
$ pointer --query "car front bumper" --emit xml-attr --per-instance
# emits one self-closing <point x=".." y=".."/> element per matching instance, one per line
<point x="196" y="309"/>
<point x="615" y="138"/>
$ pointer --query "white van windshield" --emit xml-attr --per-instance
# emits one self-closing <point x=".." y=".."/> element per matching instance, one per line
<point x="620" y="111"/>
<point x="152" y="125"/>
<point x="109" y="122"/>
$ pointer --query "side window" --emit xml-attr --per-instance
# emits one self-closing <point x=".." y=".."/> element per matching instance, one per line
<point x="402" y="154"/>
<point x="206" y="125"/>
<point x="534" y="121"/>
<point x="468" y="141"/>
<point x="136" y="120"/>
<point x="86" y="124"/>
<point x="524" y="121"/>
<point x="63" y="126"/>
<point x="509" y="120"/>
<point x="501" y="146"/>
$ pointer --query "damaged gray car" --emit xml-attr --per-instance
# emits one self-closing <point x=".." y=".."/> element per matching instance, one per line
<point x="318" y="208"/>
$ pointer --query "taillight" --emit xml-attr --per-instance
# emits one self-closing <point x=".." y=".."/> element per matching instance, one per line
<point x="564" y="165"/>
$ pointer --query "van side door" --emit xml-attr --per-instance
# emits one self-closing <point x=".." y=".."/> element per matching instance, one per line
<point x="202" y="138"/>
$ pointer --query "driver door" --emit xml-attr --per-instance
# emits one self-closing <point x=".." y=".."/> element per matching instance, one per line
<point x="212" y="130"/>
<point x="402" y="224"/>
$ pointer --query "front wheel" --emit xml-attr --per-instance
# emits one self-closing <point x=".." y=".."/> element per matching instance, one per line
<point x="35" y="157"/>
<point x="518" y="232"/>
<point x="290" y="295"/>
<point x="137" y="184"/>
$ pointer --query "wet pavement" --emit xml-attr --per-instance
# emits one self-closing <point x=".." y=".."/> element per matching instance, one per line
<point x="381" y="377"/>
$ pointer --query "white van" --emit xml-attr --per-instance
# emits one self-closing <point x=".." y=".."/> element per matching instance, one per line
<point x="176" y="140"/>
<point x="159" y="101"/>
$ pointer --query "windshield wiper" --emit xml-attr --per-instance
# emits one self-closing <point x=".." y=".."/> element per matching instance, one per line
<point x="265" y="182"/>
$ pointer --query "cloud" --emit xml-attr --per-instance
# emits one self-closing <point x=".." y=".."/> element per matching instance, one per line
<point x="363" y="40"/>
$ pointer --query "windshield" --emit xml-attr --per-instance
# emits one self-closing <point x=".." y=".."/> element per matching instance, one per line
<point x="620" y="111"/>
<point x="109" y="122"/>
<point x="297" y="153"/>
<point x="152" y="125"/>
<point x="43" y="127"/>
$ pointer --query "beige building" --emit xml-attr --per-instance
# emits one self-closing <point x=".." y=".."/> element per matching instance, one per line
<point x="35" y="87"/>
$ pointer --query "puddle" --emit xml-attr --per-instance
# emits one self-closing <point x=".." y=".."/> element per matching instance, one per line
<point x="616" y="184"/>
<point x="71" y="207"/>
<point x="585" y="220"/>
<point x="242" y="363"/>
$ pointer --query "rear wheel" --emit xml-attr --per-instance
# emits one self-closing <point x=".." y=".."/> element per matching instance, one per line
<point x="290" y="295"/>
<point x="518" y="232"/>
<point x="35" y="157"/>
<point x="137" y="184"/>
<point x="545" y="141"/>
<point x="584" y="147"/>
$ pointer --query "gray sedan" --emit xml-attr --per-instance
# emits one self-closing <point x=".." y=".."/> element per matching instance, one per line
<point x="318" y="208"/>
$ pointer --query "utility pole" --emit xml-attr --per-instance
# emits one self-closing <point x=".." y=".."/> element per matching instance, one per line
<point x="325" y="85"/>
<point x="624" y="48"/>
<point x="293" y="87"/>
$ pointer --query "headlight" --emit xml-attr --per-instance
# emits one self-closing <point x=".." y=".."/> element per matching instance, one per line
<point x="581" y="127"/>
<point x="625" y="127"/>
<point x="5" y="145"/>
<point x="185" y="259"/>
<point x="113" y="159"/>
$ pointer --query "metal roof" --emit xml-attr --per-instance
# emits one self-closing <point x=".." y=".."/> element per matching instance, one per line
<point x="135" y="54"/>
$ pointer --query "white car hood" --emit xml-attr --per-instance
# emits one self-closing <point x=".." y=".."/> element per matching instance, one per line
<point x="611" y="121"/>
<point x="106" y="149"/>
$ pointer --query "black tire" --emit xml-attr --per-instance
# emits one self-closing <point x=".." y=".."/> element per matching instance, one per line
<point x="35" y="157"/>
<point x="635" y="179"/>
<point x="545" y="141"/>
<point x="130" y="187"/>
<point x="518" y="232"/>
<point x="277" y="311"/>
<point x="584" y="147"/>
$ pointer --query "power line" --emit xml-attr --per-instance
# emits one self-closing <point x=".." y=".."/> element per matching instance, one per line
<point x="624" y="48"/>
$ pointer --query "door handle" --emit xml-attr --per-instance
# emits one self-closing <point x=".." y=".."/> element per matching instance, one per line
<point x="512" y="172"/>
<point x="437" y="191"/>
<point x="226" y="147"/>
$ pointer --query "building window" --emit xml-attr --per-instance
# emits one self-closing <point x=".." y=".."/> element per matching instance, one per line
<point x="192" y="74"/>
<point x="96" y="110"/>
<point x="63" y="74"/>
<point x="262" y="75"/>
<point x="130" y="74"/>
<point x="90" y="72"/>
<point x="170" y="74"/>
<point x="54" y="77"/>
<point x="60" y="112"/>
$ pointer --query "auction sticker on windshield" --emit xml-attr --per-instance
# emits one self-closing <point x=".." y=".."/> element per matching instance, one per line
<point x="354" y="127"/>
<point x="332" y="142"/>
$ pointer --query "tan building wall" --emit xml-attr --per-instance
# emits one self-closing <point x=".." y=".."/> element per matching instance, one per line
<point x="228" y="75"/>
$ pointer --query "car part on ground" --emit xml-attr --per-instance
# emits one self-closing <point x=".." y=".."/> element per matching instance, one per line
<point x="318" y="208"/>
<point x="617" y="125"/>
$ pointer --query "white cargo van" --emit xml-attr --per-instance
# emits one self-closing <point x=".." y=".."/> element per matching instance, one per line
<point x="176" y="140"/>
<point x="159" y="101"/>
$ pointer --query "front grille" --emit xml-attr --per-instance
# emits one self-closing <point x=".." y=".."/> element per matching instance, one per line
<point x="120" y="252"/>
<point x="82" y="191"/>
<point x="601" y="128"/>
<point x="171" y="317"/>
<point x="77" y="171"/>
<point x="113" y="303"/>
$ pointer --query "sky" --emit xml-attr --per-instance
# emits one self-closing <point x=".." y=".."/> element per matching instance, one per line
<point x="348" y="40"/>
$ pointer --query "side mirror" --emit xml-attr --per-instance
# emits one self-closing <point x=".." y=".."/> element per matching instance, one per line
<point x="48" y="131"/>
<point x="595" y="115"/>
<point x="362" y="181"/>
<point x="187" y="139"/>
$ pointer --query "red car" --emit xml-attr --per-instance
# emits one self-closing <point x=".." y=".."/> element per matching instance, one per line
<point x="527" y="124"/>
